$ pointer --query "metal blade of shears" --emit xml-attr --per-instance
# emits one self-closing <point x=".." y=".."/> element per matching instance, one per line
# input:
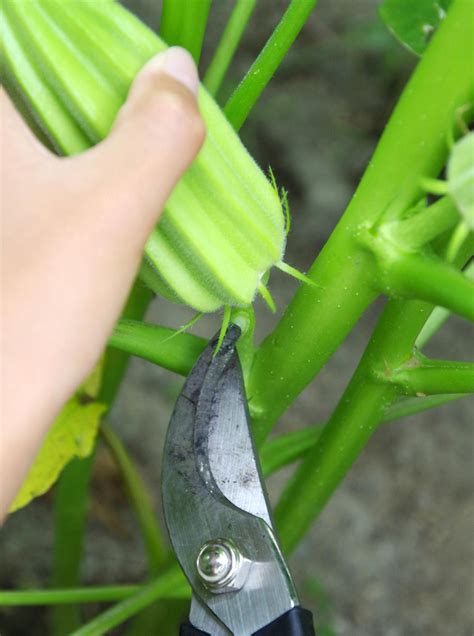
<point x="213" y="495"/>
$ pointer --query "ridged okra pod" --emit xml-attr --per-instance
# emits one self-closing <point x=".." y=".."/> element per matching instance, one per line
<point x="68" y="65"/>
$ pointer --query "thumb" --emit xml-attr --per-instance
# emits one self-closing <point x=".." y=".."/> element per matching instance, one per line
<point x="154" y="139"/>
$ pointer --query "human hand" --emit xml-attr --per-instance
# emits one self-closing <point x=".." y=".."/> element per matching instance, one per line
<point x="73" y="231"/>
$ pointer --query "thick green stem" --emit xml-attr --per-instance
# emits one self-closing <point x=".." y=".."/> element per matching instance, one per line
<point x="435" y="377"/>
<point x="246" y="94"/>
<point x="170" y="585"/>
<point x="75" y="595"/>
<point x="353" y="421"/>
<point x="228" y="44"/>
<point x="174" y="351"/>
<point x="152" y="537"/>
<point x="413" y="144"/>
<point x="72" y="492"/>
<point x="312" y="327"/>
<point x="71" y="501"/>
<point x="368" y="399"/>
<point x="183" y="23"/>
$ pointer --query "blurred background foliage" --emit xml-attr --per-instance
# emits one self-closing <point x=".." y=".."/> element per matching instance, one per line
<point x="392" y="553"/>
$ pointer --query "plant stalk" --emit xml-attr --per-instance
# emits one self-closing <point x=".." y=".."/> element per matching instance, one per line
<point x="354" y="420"/>
<point x="72" y="493"/>
<point x="228" y="44"/>
<point x="71" y="500"/>
<point x="424" y="226"/>
<point x="439" y="316"/>
<point x="368" y="396"/>
<point x="245" y="96"/>
<point x="154" y="542"/>
<point x="436" y="377"/>
<point x="290" y="447"/>
<point x="165" y="347"/>
<point x="74" y="595"/>
<point x="169" y="585"/>
<point x="413" y="145"/>
<point x="427" y="278"/>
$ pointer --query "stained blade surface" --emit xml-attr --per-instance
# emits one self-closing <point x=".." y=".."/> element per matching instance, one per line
<point x="226" y="448"/>
<point x="212" y="489"/>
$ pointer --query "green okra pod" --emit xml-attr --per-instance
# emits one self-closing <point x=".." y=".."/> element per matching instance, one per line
<point x="68" y="66"/>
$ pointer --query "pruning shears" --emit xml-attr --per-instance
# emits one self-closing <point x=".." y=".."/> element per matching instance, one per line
<point x="217" y="512"/>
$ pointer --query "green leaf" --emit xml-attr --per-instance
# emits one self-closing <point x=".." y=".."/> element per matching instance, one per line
<point x="413" y="22"/>
<point x="72" y="435"/>
<point x="461" y="178"/>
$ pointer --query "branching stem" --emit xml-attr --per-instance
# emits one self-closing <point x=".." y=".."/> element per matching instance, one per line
<point x="436" y="377"/>
<point x="425" y="226"/>
<point x="289" y="447"/>
<point x="356" y="417"/>
<point x="439" y="316"/>
<point x="427" y="278"/>
<point x="354" y="420"/>
<point x="154" y="343"/>
<point x="413" y="145"/>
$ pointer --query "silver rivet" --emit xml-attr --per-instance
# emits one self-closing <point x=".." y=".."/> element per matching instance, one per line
<point x="218" y="562"/>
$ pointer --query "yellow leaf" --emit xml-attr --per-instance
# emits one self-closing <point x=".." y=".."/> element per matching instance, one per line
<point x="72" y="435"/>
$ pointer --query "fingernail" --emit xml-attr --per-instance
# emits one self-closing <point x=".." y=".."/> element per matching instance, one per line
<point x="178" y="63"/>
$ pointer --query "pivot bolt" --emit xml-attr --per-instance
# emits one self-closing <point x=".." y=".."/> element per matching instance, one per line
<point x="218" y="563"/>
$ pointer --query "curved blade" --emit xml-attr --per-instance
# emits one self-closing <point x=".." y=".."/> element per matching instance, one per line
<point x="212" y="489"/>
<point x="224" y="448"/>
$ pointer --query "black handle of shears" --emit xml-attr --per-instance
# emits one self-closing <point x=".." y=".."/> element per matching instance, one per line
<point x="295" y="622"/>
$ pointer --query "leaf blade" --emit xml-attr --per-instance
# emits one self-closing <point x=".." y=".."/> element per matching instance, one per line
<point x="413" y="23"/>
<point x="72" y="435"/>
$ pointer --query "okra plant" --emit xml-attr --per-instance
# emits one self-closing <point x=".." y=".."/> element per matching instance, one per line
<point x="407" y="234"/>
